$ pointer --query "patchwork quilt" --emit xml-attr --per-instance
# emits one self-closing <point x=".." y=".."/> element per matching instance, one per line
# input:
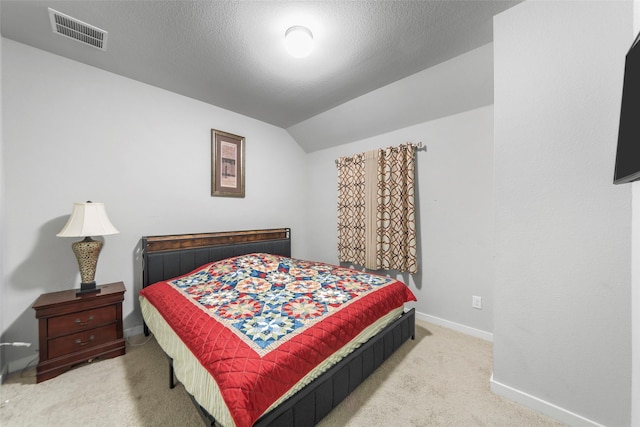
<point x="259" y="323"/>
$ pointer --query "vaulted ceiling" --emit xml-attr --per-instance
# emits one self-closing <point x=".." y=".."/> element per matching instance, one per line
<point x="231" y="54"/>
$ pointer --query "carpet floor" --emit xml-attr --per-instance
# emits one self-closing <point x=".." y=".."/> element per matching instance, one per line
<point x="439" y="379"/>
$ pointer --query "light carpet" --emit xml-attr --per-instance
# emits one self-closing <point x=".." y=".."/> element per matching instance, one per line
<point x="439" y="379"/>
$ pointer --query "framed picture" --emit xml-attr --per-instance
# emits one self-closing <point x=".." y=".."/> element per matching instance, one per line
<point x="227" y="164"/>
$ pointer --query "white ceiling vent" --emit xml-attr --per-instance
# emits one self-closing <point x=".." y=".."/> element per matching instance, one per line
<point x="74" y="29"/>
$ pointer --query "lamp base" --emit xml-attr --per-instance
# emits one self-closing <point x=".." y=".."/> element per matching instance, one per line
<point x="88" y="288"/>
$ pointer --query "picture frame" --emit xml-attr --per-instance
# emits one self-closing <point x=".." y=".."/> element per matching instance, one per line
<point x="227" y="164"/>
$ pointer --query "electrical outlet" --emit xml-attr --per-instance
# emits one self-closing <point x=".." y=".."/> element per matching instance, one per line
<point x="476" y="302"/>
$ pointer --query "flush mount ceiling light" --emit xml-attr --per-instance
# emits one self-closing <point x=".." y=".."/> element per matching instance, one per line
<point x="298" y="41"/>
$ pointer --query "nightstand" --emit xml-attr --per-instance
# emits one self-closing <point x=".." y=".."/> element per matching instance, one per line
<point x="74" y="329"/>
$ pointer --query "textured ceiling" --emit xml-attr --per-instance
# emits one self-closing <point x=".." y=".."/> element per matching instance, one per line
<point x="231" y="54"/>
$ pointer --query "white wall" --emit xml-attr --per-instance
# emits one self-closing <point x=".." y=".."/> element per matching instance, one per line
<point x="76" y="133"/>
<point x="635" y="275"/>
<point x="562" y="324"/>
<point x="454" y="201"/>
<point x="2" y="357"/>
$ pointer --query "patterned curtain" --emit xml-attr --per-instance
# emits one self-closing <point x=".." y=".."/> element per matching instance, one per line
<point x="351" y="213"/>
<point x="395" y="221"/>
<point x="376" y="209"/>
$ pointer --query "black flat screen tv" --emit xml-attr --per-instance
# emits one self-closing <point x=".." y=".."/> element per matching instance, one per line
<point x="628" y="154"/>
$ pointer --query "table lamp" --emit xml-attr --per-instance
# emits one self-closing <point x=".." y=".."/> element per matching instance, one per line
<point x="86" y="220"/>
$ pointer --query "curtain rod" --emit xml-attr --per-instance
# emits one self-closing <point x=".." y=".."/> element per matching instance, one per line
<point x="418" y="146"/>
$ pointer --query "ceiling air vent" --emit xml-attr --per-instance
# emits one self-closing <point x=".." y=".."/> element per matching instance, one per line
<point x="74" y="29"/>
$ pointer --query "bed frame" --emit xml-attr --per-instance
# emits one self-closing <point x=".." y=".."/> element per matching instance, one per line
<point x="165" y="257"/>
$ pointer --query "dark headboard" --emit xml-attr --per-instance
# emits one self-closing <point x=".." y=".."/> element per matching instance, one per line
<point x="165" y="257"/>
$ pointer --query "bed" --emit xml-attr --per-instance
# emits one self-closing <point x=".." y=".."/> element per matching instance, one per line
<point x="230" y="308"/>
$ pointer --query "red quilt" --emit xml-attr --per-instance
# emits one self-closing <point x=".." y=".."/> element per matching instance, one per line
<point x="259" y="323"/>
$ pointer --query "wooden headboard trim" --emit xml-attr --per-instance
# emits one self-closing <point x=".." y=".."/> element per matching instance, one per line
<point x="183" y="241"/>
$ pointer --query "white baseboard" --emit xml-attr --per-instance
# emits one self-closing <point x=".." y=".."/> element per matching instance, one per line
<point x="4" y="372"/>
<point x="19" y="365"/>
<point x="487" y="336"/>
<point x="511" y="393"/>
<point x="22" y="363"/>
<point x="542" y="406"/>
<point x="136" y="330"/>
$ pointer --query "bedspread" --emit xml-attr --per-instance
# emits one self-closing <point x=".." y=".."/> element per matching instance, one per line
<point x="259" y="323"/>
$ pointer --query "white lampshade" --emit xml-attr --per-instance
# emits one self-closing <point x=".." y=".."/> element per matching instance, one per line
<point x="88" y="219"/>
<point x="299" y="41"/>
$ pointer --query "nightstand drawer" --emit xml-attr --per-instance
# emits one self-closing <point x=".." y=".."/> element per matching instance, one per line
<point x="81" y="320"/>
<point x="82" y="340"/>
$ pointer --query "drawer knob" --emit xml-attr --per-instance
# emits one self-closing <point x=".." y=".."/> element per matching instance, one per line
<point x="81" y="323"/>
<point x="80" y="342"/>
